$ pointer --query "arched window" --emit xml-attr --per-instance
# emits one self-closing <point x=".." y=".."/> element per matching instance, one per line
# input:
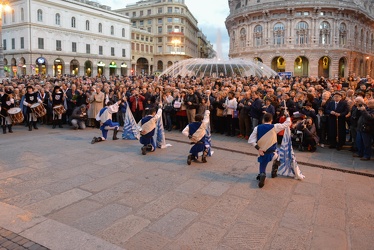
<point x="112" y="30"/>
<point x="356" y="35"/>
<point x="278" y="34"/>
<point x="362" y="38"/>
<point x="324" y="33"/>
<point x="13" y="17"/>
<point x="40" y="15"/>
<point x="73" y="22"/>
<point x="243" y="37"/>
<point x="100" y="28"/>
<point x="257" y="36"/>
<point x="57" y="19"/>
<point x="22" y="14"/>
<point x="87" y="25"/>
<point x="123" y="32"/>
<point x="342" y="34"/>
<point x="302" y="33"/>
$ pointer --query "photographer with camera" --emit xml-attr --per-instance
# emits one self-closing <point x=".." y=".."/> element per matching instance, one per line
<point x="137" y="107"/>
<point x="365" y="131"/>
<point x="310" y="138"/>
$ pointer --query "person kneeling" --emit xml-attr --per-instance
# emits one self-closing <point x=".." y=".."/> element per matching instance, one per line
<point x="147" y="129"/>
<point x="106" y="123"/>
<point x="196" y="132"/>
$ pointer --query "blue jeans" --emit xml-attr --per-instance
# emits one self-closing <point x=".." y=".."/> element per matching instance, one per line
<point x="363" y="143"/>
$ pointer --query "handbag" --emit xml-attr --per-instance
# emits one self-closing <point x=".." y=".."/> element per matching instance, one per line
<point x="235" y="113"/>
<point x="177" y="105"/>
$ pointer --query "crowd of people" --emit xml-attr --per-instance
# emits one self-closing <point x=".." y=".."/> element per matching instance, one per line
<point x="333" y="112"/>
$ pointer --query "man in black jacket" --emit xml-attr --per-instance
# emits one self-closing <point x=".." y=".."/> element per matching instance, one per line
<point x="337" y="111"/>
<point x="192" y="103"/>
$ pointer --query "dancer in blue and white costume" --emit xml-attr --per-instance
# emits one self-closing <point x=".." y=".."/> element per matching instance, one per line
<point x="264" y="139"/>
<point x="147" y="129"/>
<point x="196" y="132"/>
<point x="106" y="123"/>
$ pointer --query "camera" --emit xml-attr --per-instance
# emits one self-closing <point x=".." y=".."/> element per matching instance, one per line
<point x="360" y="105"/>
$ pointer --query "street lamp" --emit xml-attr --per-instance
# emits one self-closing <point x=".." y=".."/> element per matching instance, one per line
<point x="3" y="8"/>
<point x="175" y="42"/>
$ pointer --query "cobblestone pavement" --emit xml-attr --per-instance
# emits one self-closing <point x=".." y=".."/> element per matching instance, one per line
<point x="61" y="192"/>
<point x="10" y="240"/>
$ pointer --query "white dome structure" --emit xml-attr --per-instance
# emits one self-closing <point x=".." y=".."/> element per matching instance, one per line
<point x="216" y="67"/>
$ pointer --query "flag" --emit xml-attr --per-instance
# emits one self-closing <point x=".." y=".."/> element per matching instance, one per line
<point x="209" y="137"/>
<point x="159" y="136"/>
<point x="130" y="128"/>
<point x="288" y="165"/>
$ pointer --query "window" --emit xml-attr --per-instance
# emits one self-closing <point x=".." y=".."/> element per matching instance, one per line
<point x="134" y="14"/>
<point x="177" y="20"/>
<point x="159" y="21"/>
<point x="88" y="48"/>
<point x="160" y="39"/>
<point x="342" y="34"/>
<point x="13" y="43"/>
<point x="100" y="28"/>
<point x="149" y="22"/>
<point x="159" y="29"/>
<point x="170" y="29"/>
<point x="170" y="20"/>
<point x="141" y="23"/>
<point x="159" y="10"/>
<point x="13" y="17"/>
<point x="40" y="43"/>
<point x="159" y="49"/>
<point x="100" y="50"/>
<point x="40" y="15"/>
<point x="302" y="33"/>
<point x="149" y="29"/>
<point x="324" y="33"/>
<point x="149" y="12"/>
<point x="123" y="32"/>
<point x="123" y="52"/>
<point x="57" y="19"/>
<point x="58" y="45"/>
<point x="141" y="13"/>
<point x="278" y="34"/>
<point x="112" y="51"/>
<point x="4" y="17"/>
<point x="134" y="24"/>
<point x="4" y="44"/>
<point x="112" y="30"/>
<point x="177" y="10"/>
<point x="258" y="36"/>
<point x="73" y="22"/>
<point x="87" y="25"/>
<point x="170" y="9"/>
<point x="74" y="47"/>
<point x="22" y="15"/>
<point x="22" y="42"/>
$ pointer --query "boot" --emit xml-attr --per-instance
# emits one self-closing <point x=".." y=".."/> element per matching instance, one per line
<point x="274" y="168"/>
<point x="60" y="123"/>
<point x="30" y="126"/>
<point x="189" y="159"/>
<point x="115" y="134"/>
<point x="262" y="180"/>
<point x="10" y="129"/>
<point x="96" y="139"/>
<point x="203" y="157"/>
<point x="54" y="124"/>
<point x="34" y="124"/>
<point x="144" y="150"/>
<point x="4" y="129"/>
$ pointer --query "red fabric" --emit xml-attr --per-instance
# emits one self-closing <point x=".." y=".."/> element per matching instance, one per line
<point x="281" y="120"/>
<point x="140" y="103"/>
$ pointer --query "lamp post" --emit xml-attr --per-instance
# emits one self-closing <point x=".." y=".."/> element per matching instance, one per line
<point x="3" y="7"/>
<point x="175" y="42"/>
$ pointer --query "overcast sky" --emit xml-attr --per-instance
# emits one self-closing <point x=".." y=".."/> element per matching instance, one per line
<point x="211" y="16"/>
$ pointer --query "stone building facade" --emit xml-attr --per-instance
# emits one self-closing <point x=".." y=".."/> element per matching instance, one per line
<point x="176" y="35"/>
<point x="73" y="37"/>
<point x="316" y="38"/>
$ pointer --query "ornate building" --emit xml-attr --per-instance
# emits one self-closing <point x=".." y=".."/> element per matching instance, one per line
<point x="57" y="37"/>
<point x="173" y="29"/>
<point x="332" y="38"/>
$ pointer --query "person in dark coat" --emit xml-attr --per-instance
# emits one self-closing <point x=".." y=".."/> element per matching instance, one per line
<point x="337" y="110"/>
